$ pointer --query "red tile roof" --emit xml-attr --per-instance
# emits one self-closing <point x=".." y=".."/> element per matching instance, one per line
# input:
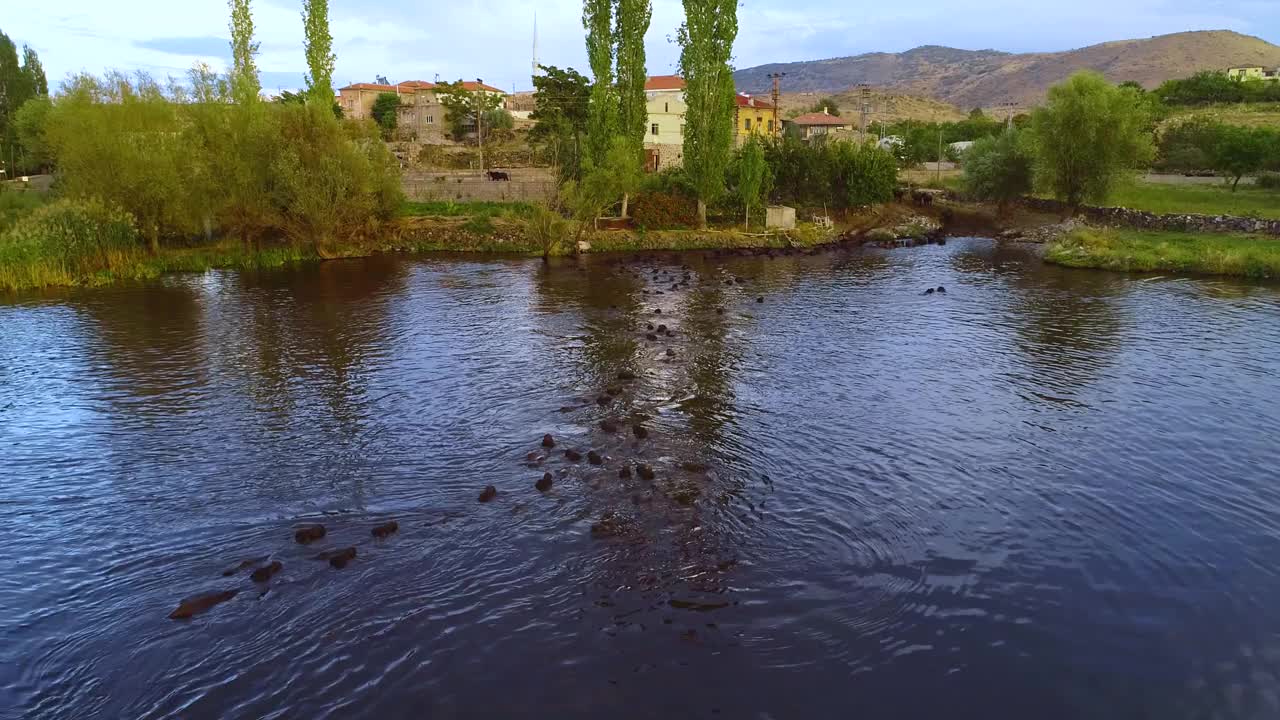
<point x="820" y="119"/>
<point x="744" y="100"/>
<point x="472" y="86"/>
<point x="664" y="82"/>
<point x="407" y="86"/>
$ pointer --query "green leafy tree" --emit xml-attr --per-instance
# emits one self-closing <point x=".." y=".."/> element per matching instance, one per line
<point x="826" y="104"/>
<point x="861" y="175"/>
<point x="1188" y="146"/>
<point x="318" y="45"/>
<point x="999" y="169"/>
<point x="245" y="86"/>
<point x="29" y="124"/>
<point x="1241" y="151"/>
<point x="560" y="117"/>
<point x="462" y="106"/>
<point x="385" y="111"/>
<point x="706" y="46"/>
<point x="751" y="174"/>
<point x="1087" y="136"/>
<point x="602" y="112"/>
<point x="633" y="115"/>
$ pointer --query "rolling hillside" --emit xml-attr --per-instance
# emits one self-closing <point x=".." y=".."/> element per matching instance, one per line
<point x="988" y="78"/>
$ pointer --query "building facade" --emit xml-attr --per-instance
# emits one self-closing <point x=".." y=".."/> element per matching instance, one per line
<point x="664" y="103"/>
<point x="814" y="125"/>
<point x="1254" y="73"/>
<point x="753" y="117"/>
<point x="421" y="115"/>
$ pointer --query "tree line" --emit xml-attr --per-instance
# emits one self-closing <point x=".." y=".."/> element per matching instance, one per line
<point x="209" y="157"/>
<point x="20" y="81"/>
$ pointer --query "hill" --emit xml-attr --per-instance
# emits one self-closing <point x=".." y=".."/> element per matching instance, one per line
<point x="988" y="78"/>
<point x="887" y="107"/>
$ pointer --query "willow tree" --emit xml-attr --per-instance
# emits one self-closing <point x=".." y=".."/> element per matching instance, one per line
<point x="602" y="111"/>
<point x="318" y="45"/>
<point x="633" y="115"/>
<point x="245" y="86"/>
<point x="706" y="46"/>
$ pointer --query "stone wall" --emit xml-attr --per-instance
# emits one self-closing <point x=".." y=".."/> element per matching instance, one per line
<point x="1152" y="221"/>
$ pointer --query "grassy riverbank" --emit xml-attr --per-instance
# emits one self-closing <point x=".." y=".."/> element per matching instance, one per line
<point x="1144" y="251"/>
<point x="1215" y="199"/>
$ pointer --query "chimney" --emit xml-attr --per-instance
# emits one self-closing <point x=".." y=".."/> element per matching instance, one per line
<point x="824" y="110"/>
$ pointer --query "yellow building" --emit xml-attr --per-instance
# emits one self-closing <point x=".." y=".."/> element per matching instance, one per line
<point x="1253" y="73"/>
<point x="753" y="116"/>
<point x="664" y="103"/>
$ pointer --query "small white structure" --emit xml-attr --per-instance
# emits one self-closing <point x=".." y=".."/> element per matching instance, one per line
<point x="780" y="217"/>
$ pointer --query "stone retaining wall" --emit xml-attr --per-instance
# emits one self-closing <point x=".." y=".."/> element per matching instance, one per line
<point x="1152" y="221"/>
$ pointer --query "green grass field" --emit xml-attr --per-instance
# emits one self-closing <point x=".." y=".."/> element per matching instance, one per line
<point x="1247" y="114"/>
<point x="1247" y="201"/>
<point x="1142" y="251"/>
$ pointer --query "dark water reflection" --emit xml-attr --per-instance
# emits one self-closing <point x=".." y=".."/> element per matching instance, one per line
<point x="1045" y="494"/>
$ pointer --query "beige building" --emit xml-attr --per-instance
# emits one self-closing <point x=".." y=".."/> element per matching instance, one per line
<point x="421" y="115"/>
<point x="816" y="124"/>
<point x="664" y="102"/>
<point x="1253" y="73"/>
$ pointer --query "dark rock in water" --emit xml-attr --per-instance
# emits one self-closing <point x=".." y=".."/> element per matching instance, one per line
<point x="929" y="291"/>
<point x="671" y="353"/>
<point x="662" y="328"/>
<point x="309" y="534"/>
<point x="694" y="467"/>
<point x="760" y="299"/>
<point x="657" y="311"/>
<point x="640" y="431"/>
<point x="646" y="472"/>
<point x="490" y="492"/>
<point x="685" y="493"/>
<point x="613" y="391"/>
<point x="594" y="458"/>
<point x="651" y="337"/>
<point x="658" y="292"/>
<point x="609" y="426"/>
<point x="548" y="441"/>
<point x="532" y="457"/>
<point x="244" y="564"/>
<point x="603" y="400"/>
<point x="941" y="289"/>
<point x="626" y="376"/>
<point x="719" y="311"/>
<point x="264" y="574"/>
<point x="340" y="559"/>
<point x="611" y="524"/>
<point x="572" y="455"/>
<point x="196" y="605"/>
<point x="385" y="529"/>
<point x="625" y="472"/>
<point x="649" y="326"/>
<point x="544" y="484"/>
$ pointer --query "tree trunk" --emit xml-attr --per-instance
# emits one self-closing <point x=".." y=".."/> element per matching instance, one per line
<point x="702" y="215"/>
<point x="1236" y="184"/>
<point x="625" y="197"/>
<point x="746" y="223"/>
<point x="153" y="240"/>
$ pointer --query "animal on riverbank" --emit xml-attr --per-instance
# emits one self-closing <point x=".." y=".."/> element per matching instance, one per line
<point x="498" y="175"/>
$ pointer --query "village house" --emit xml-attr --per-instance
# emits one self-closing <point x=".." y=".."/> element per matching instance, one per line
<point x="816" y="124"/>
<point x="1253" y="73"/>
<point x="421" y="115"/>
<point x="753" y="117"/>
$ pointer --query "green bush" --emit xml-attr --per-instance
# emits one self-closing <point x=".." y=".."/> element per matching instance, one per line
<point x="663" y="211"/>
<point x="862" y="175"/>
<point x="64" y="242"/>
<point x="999" y="169"/>
<point x="16" y="204"/>
<point x="1269" y="181"/>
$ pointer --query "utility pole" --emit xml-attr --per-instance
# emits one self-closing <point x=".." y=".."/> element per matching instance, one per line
<point x="480" y="121"/>
<point x="938" y="165"/>
<point x="865" y="91"/>
<point x="777" y="78"/>
<point x="1009" y="111"/>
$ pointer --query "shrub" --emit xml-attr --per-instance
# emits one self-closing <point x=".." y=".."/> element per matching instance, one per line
<point x="663" y="211"/>
<point x="862" y="175"/>
<point x="547" y="228"/>
<point x="998" y="169"/>
<point x="16" y="204"/>
<point x="1269" y="181"/>
<point x="66" y="241"/>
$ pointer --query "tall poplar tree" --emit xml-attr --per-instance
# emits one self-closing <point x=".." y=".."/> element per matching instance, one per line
<point x="602" y="112"/>
<point x="633" y="18"/>
<point x="245" y="85"/>
<point x="706" y="46"/>
<point x="318" y="44"/>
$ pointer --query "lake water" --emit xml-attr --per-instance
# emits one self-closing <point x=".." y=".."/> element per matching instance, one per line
<point x="1045" y="493"/>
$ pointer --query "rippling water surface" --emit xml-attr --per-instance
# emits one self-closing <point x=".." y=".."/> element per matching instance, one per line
<point x="1046" y="493"/>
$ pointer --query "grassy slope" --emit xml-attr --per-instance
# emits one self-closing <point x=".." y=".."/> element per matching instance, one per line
<point x="1199" y="199"/>
<point x="1247" y="114"/>
<point x="1141" y="251"/>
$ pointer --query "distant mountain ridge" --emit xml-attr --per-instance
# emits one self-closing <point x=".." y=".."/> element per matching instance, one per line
<point x="988" y="78"/>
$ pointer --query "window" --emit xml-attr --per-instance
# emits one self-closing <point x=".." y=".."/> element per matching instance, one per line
<point x="770" y="126"/>
<point x="666" y="107"/>
<point x="653" y="129"/>
<point x="747" y="123"/>
<point x="682" y="128"/>
<point x="759" y="123"/>
<point x="431" y="119"/>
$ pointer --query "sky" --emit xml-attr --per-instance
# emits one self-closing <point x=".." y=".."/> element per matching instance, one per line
<point x="493" y="39"/>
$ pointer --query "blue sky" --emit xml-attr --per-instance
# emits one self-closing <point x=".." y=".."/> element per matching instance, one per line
<point x="492" y="39"/>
